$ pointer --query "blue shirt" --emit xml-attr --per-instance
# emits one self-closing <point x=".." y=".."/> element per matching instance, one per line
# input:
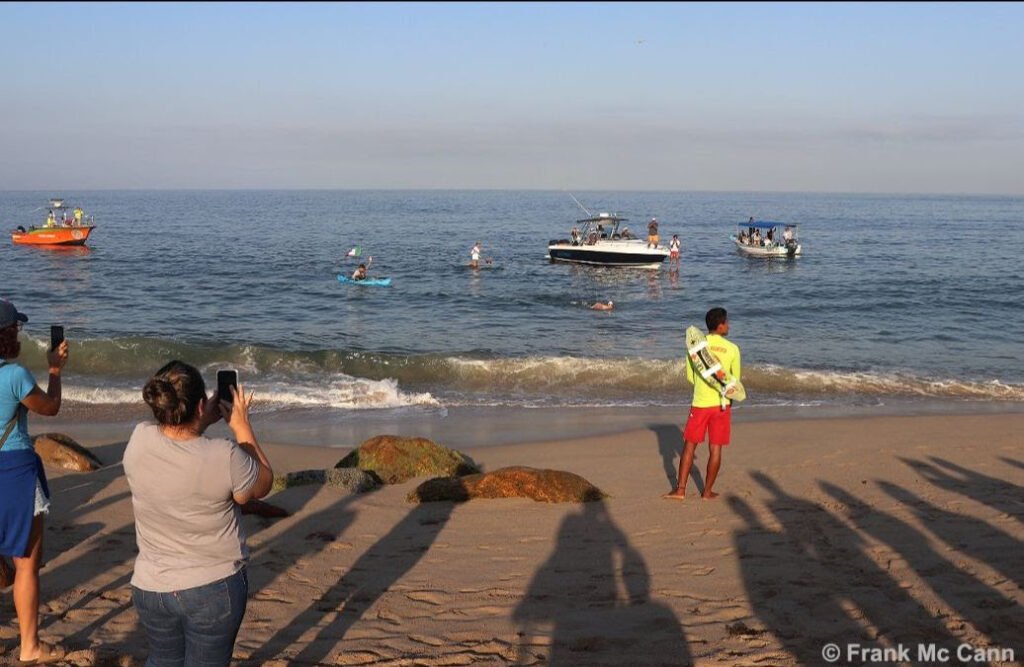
<point x="16" y="382"/>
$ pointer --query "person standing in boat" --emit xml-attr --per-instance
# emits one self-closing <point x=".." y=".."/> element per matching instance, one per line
<point x="652" y="233"/>
<point x="51" y="219"/>
<point x="78" y="216"/>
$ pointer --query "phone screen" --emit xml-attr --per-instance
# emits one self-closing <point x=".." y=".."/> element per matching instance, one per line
<point x="225" y="380"/>
<point x="56" y="336"/>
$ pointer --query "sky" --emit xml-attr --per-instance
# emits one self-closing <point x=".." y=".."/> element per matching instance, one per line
<point x="792" y="97"/>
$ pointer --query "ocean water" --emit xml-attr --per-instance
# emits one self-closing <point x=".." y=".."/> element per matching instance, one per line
<point x="897" y="300"/>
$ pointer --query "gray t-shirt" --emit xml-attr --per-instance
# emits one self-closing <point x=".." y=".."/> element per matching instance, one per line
<point x="186" y="522"/>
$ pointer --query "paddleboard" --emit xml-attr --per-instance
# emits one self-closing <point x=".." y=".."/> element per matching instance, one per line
<point x="708" y="367"/>
<point x="369" y="282"/>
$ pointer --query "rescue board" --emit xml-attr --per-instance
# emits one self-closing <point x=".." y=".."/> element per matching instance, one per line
<point x="706" y="364"/>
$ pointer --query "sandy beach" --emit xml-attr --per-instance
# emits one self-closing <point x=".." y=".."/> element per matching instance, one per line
<point x="882" y="532"/>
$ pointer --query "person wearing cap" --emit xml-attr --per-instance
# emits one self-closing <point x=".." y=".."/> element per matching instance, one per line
<point x="24" y="495"/>
<point x="603" y="306"/>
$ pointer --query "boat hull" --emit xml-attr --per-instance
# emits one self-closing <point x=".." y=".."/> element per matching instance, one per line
<point x="61" y="236"/>
<point x="581" y="254"/>
<point x="761" y="251"/>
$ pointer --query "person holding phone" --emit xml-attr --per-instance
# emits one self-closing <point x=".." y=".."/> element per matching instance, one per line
<point x="24" y="495"/>
<point x="190" y="585"/>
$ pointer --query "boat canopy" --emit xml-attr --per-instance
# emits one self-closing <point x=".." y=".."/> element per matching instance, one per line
<point x="766" y="224"/>
<point x="603" y="218"/>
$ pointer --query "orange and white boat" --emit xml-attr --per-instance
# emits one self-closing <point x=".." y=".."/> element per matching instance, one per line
<point x="60" y="228"/>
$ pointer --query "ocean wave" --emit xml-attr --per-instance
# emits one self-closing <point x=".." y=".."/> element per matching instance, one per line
<point x="337" y="392"/>
<point x="113" y="371"/>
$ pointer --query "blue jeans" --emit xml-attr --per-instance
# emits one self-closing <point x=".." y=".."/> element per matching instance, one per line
<point x="195" y="627"/>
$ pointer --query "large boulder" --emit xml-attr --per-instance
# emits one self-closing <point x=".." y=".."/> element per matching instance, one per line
<point x="395" y="459"/>
<point x="351" y="479"/>
<point x="543" y="485"/>
<point x="60" y="451"/>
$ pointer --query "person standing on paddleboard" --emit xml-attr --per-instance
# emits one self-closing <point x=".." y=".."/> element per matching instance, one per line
<point x="710" y="413"/>
<point x="474" y="256"/>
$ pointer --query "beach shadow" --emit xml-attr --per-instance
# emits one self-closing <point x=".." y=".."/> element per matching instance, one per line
<point x="73" y="496"/>
<point x="968" y="535"/>
<point x="1011" y="462"/>
<point x="670" y="446"/>
<point x="592" y="599"/>
<point x="999" y="494"/>
<point x="981" y="605"/>
<point x="274" y="557"/>
<point x="369" y="578"/>
<point x="815" y="567"/>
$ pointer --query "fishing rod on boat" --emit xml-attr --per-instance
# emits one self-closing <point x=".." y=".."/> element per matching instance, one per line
<point x="589" y="214"/>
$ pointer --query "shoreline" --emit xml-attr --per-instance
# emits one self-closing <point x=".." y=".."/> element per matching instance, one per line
<point x="489" y="426"/>
<point x="880" y="531"/>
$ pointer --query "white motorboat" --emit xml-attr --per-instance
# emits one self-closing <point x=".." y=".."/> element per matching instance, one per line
<point x="603" y="240"/>
<point x="763" y="238"/>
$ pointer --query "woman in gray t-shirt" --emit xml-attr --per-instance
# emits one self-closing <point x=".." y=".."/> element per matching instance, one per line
<point x="189" y="585"/>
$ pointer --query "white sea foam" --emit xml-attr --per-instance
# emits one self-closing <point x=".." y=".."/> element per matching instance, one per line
<point x="337" y="392"/>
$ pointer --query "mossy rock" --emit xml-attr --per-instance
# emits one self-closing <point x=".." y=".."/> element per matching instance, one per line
<point x="396" y="459"/>
<point x="542" y="485"/>
<point x="356" y="481"/>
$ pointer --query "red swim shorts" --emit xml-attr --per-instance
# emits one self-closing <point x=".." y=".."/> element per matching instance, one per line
<point x="713" y="422"/>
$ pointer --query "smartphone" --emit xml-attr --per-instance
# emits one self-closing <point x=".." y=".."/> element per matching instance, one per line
<point x="226" y="379"/>
<point x="56" y="336"/>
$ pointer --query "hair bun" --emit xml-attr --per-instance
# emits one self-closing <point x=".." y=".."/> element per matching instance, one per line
<point x="174" y="392"/>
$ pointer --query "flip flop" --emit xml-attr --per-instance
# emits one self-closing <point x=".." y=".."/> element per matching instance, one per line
<point x="48" y="653"/>
<point x="673" y="497"/>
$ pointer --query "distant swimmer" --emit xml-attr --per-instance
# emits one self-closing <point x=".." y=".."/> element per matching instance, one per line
<point x="603" y="306"/>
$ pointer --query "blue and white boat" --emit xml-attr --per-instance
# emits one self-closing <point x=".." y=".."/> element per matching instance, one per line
<point x="764" y="238"/>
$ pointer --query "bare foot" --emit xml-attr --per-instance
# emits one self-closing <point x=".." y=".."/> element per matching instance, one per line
<point x="709" y="495"/>
<point x="45" y="653"/>
<point x="676" y="495"/>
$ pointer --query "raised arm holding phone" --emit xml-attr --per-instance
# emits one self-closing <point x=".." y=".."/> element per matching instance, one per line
<point x="190" y="585"/>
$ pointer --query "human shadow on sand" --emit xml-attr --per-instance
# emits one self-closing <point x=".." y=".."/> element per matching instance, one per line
<point x="369" y="578"/>
<point x="590" y="602"/>
<point x="981" y="605"/>
<point x="670" y="446"/>
<point x="1012" y="462"/>
<point x="813" y="572"/>
<point x="969" y="535"/>
<point x="74" y="496"/>
<point x="999" y="494"/>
